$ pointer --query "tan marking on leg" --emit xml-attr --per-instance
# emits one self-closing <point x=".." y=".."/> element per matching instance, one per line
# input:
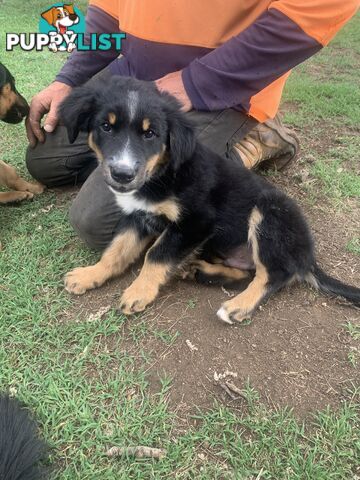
<point x="242" y="306"/>
<point x="122" y="252"/>
<point x="94" y="147"/>
<point x="7" y="99"/>
<point x="254" y="221"/>
<point x="219" y="269"/>
<point x="9" y="197"/>
<point x="112" y="118"/>
<point x="146" y="124"/>
<point x="146" y="286"/>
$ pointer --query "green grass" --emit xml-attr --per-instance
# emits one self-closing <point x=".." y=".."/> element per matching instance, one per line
<point x="338" y="169"/>
<point x="324" y="93"/>
<point x="353" y="355"/>
<point x="354" y="246"/>
<point x="326" y="86"/>
<point x="353" y="330"/>
<point x="86" y="390"/>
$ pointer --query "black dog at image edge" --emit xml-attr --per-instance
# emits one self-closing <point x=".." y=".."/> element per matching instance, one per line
<point x="21" y="449"/>
<point x="185" y="204"/>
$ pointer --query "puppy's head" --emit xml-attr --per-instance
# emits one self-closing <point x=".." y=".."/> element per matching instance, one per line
<point x="135" y="131"/>
<point x="13" y="106"/>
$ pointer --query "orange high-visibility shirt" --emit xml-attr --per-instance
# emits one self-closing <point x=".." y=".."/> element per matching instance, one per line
<point x="247" y="40"/>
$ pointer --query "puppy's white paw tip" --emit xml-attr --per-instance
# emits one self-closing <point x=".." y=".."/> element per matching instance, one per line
<point x="224" y="316"/>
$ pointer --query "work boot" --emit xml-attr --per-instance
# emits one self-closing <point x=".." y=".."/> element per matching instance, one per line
<point x="269" y="145"/>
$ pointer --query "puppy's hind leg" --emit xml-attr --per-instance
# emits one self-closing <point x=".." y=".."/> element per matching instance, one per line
<point x="282" y="249"/>
<point x="273" y="268"/>
<point x="242" y="306"/>
<point x="217" y="271"/>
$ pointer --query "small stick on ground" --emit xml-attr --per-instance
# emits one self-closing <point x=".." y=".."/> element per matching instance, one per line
<point x="228" y="391"/>
<point x="235" y="389"/>
<point x="138" y="452"/>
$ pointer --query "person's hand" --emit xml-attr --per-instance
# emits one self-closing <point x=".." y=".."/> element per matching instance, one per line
<point x="173" y="84"/>
<point x="45" y="102"/>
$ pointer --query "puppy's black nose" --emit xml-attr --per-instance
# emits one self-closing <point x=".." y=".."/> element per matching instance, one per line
<point x="73" y="17"/>
<point x="122" y="174"/>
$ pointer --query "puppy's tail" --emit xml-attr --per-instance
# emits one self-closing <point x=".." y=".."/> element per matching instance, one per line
<point x="21" y="449"/>
<point x="323" y="282"/>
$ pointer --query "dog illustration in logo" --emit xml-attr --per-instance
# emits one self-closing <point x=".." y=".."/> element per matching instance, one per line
<point x="61" y="18"/>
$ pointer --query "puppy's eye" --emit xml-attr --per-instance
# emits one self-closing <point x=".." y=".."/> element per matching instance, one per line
<point x="106" y="127"/>
<point x="58" y="16"/>
<point x="149" y="134"/>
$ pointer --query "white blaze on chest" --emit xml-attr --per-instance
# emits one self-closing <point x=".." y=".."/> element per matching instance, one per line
<point x="129" y="203"/>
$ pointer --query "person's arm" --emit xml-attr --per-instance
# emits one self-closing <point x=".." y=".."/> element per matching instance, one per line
<point x="79" y="68"/>
<point x="288" y="33"/>
<point x="83" y="65"/>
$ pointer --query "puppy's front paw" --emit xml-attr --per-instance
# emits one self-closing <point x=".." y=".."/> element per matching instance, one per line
<point x="230" y="313"/>
<point x="24" y="196"/>
<point x="135" y="299"/>
<point x="81" y="279"/>
<point x="35" y="187"/>
<point x="14" y="197"/>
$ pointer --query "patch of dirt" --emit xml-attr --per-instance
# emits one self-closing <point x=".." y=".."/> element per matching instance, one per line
<point x="295" y="350"/>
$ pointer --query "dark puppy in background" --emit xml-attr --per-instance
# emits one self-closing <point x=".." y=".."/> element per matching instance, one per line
<point x="13" y="108"/>
<point x="21" y="449"/>
<point x="191" y="201"/>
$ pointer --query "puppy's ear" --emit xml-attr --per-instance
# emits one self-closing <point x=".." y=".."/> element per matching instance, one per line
<point x="182" y="141"/>
<point x="77" y="111"/>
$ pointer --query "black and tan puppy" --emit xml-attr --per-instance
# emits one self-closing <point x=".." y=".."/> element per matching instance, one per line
<point x="13" y="108"/>
<point x="188" y="199"/>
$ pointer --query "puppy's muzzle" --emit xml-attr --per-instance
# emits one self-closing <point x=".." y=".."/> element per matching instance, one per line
<point x="18" y="111"/>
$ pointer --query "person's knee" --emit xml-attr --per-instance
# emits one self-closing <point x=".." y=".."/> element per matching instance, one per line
<point x="48" y="165"/>
<point x="94" y="214"/>
<point x="86" y="220"/>
<point x="56" y="162"/>
<point x="82" y="223"/>
<point x="36" y="166"/>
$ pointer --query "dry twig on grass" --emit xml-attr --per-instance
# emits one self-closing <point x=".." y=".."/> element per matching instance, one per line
<point x="138" y="452"/>
<point x="232" y="390"/>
